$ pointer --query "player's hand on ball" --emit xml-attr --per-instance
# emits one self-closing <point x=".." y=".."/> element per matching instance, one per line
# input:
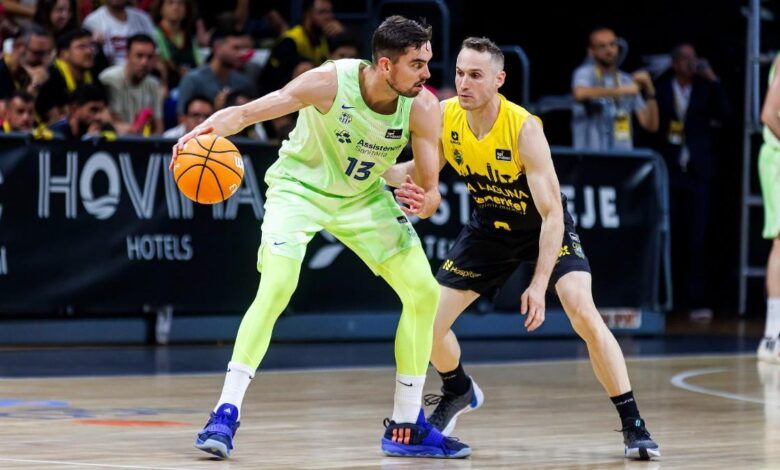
<point x="179" y="145"/>
<point x="411" y="197"/>
<point x="532" y="303"/>
<point x="208" y="169"/>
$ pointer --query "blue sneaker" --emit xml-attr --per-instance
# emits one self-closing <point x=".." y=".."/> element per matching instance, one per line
<point x="217" y="436"/>
<point x="420" y="440"/>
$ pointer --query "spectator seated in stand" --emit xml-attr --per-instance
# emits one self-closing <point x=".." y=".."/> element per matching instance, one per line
<point x="198" y="109"/>
<point x="55" y="16"/>
<point x="114" y="23"/>
<point x="71" y="68"/>
<point x="176" y="44"/>
<point x="87" y="115"/>
<point x="134" y="95"/>
<point x="19" y="113"/>
<point x="222" y="73"/>
<point x="25" y="68"/>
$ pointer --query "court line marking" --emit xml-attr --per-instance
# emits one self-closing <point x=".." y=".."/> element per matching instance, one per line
<point x="85" y="464"/>
<point x="679" y="381"/>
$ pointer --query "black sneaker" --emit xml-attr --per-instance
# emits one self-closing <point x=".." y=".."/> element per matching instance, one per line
<point x="639" y="444"/>
<point x="449" y="406"/>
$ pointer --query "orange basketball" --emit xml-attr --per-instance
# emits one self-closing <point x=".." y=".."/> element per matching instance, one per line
<point x="209" y="169"/>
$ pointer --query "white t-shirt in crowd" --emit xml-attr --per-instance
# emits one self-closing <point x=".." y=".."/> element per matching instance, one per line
<point x="115" y="33"/>
<point x="175" y="132"/>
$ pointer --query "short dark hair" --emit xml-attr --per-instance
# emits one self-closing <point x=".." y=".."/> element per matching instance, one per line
<point x="31" y="30"/>
<point x="225" y="31"/>
<point x="87" y="92"/>
<point x="139" y="38"/>
<point x="343" y="40"/>
<point x="197" y="98"/>
<point x="308" y="6"/>
<point x="396" y="34"/>
<point x="44" y="104"/>
<point x="677" y="51"/>
<point x="484" y="44"/>
<point x="598" y="29"/>
<point x="22" y="95"/>
<point x="67" y="38"/>
<point x="233" y="96"/>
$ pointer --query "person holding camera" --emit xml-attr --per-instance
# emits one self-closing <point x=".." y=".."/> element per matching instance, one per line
<point x="605" y="98"/>
<point x="691" y="106"/>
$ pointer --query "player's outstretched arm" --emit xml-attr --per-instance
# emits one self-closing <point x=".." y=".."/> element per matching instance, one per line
<point x="317" y="87"/>
<point x="770" y="115"/>
<point x="425" y="127"/>
<point x="546" y="193"/>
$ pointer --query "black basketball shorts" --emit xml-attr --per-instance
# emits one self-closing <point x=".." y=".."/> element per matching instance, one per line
<point x="483" y="259"/>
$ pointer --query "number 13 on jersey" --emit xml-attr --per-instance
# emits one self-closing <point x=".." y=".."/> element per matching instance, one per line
<point x="362" y="172"/>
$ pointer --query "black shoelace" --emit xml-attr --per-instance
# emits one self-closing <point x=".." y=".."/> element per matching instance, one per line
<point x="444" y="403"/>
<point x="636" y="433"/>
<point x="432" y="399"/>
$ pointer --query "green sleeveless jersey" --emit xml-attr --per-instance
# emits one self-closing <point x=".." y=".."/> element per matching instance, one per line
<point x="769" y="137"/>
<point x="345" y="151"/>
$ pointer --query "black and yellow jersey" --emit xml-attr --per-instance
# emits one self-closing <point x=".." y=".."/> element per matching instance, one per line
<point x="492" y="167"/>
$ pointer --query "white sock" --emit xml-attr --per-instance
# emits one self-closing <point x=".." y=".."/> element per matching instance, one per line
<point x="408" y="398"/>
<point x="772" y="328"/>
<point x="236" y="382"/>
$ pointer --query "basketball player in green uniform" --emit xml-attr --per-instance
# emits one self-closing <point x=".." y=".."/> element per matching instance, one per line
<point x="354" y="119"/>
<point x="520" y="216"/>
<point x="769" y="173"/>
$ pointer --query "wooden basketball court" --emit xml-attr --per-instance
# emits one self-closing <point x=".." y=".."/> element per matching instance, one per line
<point x="705" y="412"/>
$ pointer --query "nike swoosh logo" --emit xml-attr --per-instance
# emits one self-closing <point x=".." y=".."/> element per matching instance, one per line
<point x="343" y="106"/>
<point x="279" y="243"/>
<point x="408" y="385"/>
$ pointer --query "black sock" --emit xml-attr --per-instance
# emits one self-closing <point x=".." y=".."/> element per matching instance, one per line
<point x="626" y="405"/>
<point x="455" y="381"/>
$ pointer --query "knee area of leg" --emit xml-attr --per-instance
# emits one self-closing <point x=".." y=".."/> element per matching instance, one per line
<point x="427" y="291"/>
<point x="279" y="283"/>
<point x="439" y="332"/>
<point x="583" y="314"/>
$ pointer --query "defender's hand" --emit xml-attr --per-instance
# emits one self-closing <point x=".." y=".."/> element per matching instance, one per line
<point x="411" y="197"/>
<point x="532" y="303"/>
